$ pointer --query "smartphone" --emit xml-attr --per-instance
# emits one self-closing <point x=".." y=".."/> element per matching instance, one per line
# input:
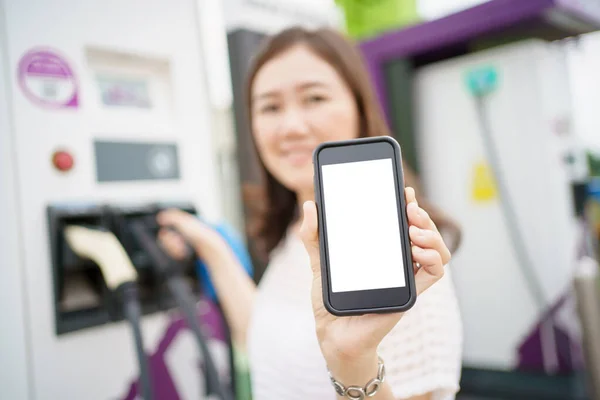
<point x="365" y="248"/>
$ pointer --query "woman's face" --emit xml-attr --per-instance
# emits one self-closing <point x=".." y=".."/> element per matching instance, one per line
<point x="299" y="101"/>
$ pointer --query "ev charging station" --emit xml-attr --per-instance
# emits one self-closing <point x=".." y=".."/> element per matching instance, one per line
<point x="103" y="109"/>
<point x="504" y="150"/>
<point x="480" y="102"/>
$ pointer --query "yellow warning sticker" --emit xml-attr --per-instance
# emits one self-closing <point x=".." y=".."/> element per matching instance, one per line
<point x="484" y="185"/>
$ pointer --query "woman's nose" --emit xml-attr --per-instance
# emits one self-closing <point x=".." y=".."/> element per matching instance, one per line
<point x="293" y="123"/>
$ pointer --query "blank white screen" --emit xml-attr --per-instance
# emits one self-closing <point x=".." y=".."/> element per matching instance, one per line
<point x="363" y="235"/>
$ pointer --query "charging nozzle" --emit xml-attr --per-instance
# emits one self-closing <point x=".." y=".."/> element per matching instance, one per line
<point x="104" y="249"/>
<point x="108" y="253"/>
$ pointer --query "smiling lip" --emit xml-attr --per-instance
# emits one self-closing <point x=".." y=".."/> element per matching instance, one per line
<point x="298" y="157"/>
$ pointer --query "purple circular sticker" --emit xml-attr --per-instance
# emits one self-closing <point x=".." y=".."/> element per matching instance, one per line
<point x="47" y="79"/>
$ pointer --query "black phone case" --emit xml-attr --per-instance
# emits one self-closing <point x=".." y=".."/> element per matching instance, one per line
<point x="406" y="244"/>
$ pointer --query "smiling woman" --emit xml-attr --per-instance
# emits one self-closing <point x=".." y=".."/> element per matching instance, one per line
<point x="306" y="88"/>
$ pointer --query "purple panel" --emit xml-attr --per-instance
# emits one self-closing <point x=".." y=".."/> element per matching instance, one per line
<point x="454" y="28"/>
<point x="561" y="341"/>
<point x="492" y="17"/>
<point x="568" y="357"/>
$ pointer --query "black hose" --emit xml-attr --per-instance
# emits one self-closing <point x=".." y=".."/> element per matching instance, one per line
<point x="133" y="313"/>
<point x="182" y="294"/>
<point x="185" y="300"/>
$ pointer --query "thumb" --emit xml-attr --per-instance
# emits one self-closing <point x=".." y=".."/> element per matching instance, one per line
<point x="170" y="216"/>
<point x="309" y="233"/>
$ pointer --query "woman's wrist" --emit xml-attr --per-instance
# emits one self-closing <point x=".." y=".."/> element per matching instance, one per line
<point x="360" y="371"/>
<point x="355" y="370"/>
<point x="213" y="251"/>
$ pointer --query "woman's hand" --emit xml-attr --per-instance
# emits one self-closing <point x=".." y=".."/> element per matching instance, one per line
<point x="233" y="286"/>
<point x="349" y="344"/>
<point x="173" y="243"/>
<point x="207" y="243"/>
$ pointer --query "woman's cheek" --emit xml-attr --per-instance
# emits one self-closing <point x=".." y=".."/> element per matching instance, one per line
<point x="334" y="122"/>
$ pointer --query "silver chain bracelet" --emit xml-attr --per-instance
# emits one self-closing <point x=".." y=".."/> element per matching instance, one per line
<point x="357" y="392"/>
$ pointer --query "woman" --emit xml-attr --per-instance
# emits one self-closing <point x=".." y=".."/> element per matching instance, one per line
<point x="304" y="88"/>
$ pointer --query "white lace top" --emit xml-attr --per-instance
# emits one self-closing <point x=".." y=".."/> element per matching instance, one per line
<point x="422" y="353"/>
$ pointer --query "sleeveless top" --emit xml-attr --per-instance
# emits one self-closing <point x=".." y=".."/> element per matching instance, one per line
<point x="422" y="353"/>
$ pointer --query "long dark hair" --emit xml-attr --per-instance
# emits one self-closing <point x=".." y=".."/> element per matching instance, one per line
<point x="272" y="206"/>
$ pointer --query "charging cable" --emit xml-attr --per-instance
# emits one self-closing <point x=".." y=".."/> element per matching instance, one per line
<point x="120" y="276"/>
<point x="482" y="83"/>
<point x="185" y="300"/>
<point x="508" y="208"/>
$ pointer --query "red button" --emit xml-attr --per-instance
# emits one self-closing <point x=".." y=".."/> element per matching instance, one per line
<point x="62" y="160"/>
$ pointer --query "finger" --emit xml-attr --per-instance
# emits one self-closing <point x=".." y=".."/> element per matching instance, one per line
<point x="167" y="217"/>
<point x="169" y="236"/>
<point x="172" y="237"/>
<point x="172" y="243"/>
<point x="410" y="195"/>
<point x="419" y="217"/>
<point x="432" y="269"/>
<point x="428" y="239"/>
<point x="415" y="213"/>
<point x="429" y="259"/>
<point x="309" y="234"/>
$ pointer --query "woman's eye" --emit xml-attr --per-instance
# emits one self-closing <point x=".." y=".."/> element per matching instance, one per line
<point x="316" y="98"/>
<point x="269" y="108"/>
